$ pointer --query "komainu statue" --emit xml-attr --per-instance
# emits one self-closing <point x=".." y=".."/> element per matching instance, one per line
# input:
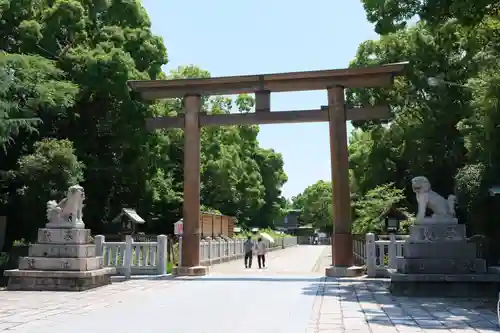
<point x="443" y="209"/>
<point x="68" y="212"/>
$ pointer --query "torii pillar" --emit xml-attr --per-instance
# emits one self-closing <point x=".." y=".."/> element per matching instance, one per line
<point x="262" y="85"/>
<point x="342" y="257"/>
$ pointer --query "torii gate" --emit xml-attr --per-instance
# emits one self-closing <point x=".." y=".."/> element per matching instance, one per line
<point x="333" y="81"/>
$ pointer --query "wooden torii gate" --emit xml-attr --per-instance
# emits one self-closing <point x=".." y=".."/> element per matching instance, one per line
<point x="333" y="81"/>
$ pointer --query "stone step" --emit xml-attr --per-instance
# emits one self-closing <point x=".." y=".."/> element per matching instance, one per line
<point x="58" y="280"/>
<point x="440" y="266"/>
<point x="63" y="236"/>
<point x="443" y="249"/>
<point x="61" y="264"/>
<point x="437" y="232"/>
<point x="445" y="285"/>
<point x="62" y="251"/>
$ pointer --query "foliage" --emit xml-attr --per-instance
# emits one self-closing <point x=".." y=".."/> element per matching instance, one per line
<point x="370" y="207"/>
<point x="316" y="206"/>
<point x="81" y="54"/>
<point x="29" y="85"/>
<point x="41" y="176"/>
<point x="448" y="133"/>
<point x="392" y="15"/>
<point x="315" y="203"/>
<point x="52" y="168"/>
<point x="4" y="258"/>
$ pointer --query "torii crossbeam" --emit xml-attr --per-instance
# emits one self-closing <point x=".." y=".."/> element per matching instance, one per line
<point x="333" y="81"/>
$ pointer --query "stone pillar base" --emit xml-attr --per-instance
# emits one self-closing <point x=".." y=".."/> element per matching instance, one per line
<point x="344" y="271"/>
<point x="342" y="250"/>
<point x="190" y="271"/>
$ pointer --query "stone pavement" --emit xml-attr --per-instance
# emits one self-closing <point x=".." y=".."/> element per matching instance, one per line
<point x="299" y="260"/>
<point x="361" y="305"/>
<point x="239" y="300"/>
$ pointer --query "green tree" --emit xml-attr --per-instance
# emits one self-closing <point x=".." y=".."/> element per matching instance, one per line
<point x="44" y="175"/>
<point x="30" y="86"/>
<point x="370" y="207"/>
<point x="442" y="131"/>
<point x="315" y="204"/>
<point x="392" y="15"/>
<point x="98" y="46"/>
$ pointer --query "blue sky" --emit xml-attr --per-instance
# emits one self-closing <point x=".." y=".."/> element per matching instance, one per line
<point x="266" y="36"/>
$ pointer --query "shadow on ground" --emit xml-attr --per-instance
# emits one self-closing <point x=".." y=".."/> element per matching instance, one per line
<point x="370" y="299"/>
<point x="373" y="300"/>
<point x="251" y="278"/>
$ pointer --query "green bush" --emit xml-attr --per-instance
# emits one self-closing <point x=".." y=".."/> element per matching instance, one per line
<point x="4" y="258"/>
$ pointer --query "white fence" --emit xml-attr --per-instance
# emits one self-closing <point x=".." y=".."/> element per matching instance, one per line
<point x="134" y="258"/>
<point x="221" y="250"/>
<point x="377" y="255"/>
<point x="150" y="258"/>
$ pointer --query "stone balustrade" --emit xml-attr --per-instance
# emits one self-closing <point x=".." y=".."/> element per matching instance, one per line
<point x="134" y="258"/>
<point x="150" y="258"/>
<point x="377" y="255"/>
<point x="221" y="250"/>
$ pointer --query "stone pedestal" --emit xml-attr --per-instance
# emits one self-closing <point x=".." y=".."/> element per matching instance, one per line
<point x="61" y="260"/>
<point x="190" y="271"/>
<point x="438" y="261"/>
<point x="339" y="271"/>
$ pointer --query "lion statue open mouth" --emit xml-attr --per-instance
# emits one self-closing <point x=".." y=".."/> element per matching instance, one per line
<point x="68" y="212"/>
<point x="443" y="209"/>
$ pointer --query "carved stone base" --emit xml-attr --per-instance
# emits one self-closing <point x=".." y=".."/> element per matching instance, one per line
<point x="437" y="220"/>
<point x="63" y="236"/>
<point x="62" y="250"/>
<point x="56" y="264"/>
<point x="437" y="232"/>
<point x="445" y="285"/>
<point x="339" y="271"/>
<point x="63" y="259"/>
<point x="190" y="271"/>
<point x="58" y="280"/>
<point x="78" y="225"/>
<point x="441" y="265"/>
<point x="445" y="249"/>
<point x="439" y="262"/>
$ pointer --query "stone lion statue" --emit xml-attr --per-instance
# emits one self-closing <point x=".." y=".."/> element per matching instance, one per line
<point x="68" y="212"/>
<point x="443" y="209"/>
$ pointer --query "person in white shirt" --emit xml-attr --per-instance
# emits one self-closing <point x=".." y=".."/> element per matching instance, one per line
<point x="261" y="250"/>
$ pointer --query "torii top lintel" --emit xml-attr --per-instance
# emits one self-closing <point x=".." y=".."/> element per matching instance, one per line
<point x="364" y="77"/>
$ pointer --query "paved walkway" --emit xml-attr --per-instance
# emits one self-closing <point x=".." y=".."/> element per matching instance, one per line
<point x="299" y="260"/>
<point x="233" y="299"/>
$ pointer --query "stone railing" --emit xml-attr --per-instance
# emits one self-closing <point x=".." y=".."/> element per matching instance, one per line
<point x="382" y="254"/>
<point x="221" y="250"/>
<point x="134" y="258"/>
<point x="150" y="258"/>
<point x="377" y="255"/>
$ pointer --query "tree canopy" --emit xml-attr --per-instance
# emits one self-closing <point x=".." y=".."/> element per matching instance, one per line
<point x="67" y="116"/>
<point x="448" y="133"/>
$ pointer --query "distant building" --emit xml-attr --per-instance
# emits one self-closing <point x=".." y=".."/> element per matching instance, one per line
<point x="291" y="222"/>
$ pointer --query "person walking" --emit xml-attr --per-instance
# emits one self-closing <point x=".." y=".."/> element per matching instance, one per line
<point x="248" y="247"/>
<point x="261" y="253"/>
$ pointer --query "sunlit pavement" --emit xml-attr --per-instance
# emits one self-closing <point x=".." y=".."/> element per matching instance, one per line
<point x="289" y="296"/>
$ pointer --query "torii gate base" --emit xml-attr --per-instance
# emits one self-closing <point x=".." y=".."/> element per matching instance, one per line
<point x="336" y="114"/>
<point x="190" y="271"/>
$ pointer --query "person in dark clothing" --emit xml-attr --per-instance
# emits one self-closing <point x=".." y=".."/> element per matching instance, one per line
<point x="248" y="247"/>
